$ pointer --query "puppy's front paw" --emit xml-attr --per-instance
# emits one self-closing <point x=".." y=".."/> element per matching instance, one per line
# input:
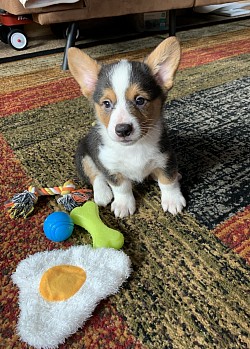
<point x="172" y="199"/>
<point x="102" y="193"/>
<point x="173" y="203"/>
<point x="123" y="206"/>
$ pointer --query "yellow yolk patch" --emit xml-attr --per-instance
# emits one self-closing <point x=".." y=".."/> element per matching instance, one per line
<point x="61" y="282"/>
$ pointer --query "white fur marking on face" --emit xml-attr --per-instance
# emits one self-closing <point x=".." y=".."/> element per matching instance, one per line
<point x="120" y="81"/>
<point x="120" y="78"/>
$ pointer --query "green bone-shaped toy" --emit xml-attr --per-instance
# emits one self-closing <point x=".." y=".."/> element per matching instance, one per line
<point x="87" y="217"/>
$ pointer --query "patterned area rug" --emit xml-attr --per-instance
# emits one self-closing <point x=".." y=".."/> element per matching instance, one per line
<point x="190" y="282"/>
<point x="211" y="131"/>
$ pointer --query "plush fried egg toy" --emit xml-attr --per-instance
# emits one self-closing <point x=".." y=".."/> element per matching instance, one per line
<point x="58" y="290"/>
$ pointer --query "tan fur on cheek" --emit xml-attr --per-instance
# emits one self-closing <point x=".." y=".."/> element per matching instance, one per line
<point x="154" y="111"/>
<point x="147" y="115"/>
<point x="102" y="116"/>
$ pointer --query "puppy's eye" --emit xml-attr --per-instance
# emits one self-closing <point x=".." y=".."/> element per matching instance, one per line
<point x="107" y="104"/>
<point x="140" y="101"/>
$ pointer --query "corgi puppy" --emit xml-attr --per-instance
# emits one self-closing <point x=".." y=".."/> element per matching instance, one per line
<point x="128" y="142"/>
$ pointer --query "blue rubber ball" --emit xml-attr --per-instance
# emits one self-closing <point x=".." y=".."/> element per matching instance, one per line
<point x="58" y="226"/>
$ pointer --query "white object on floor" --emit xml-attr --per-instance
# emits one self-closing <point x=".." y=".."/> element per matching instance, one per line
<point x="48" y="315"/>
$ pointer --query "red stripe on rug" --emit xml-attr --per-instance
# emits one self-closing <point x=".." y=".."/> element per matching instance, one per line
<point x="67" y="88"/>
<point x="38" y="96"/>
<point x="196" y="57"/>
<point x="105" y="329"/>
<point x="235" y="233"/>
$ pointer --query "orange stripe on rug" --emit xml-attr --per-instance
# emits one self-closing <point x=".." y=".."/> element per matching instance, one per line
<point x="38" y="96"/>
<point x="235" y="233"/>
<point x="196" y="57"/>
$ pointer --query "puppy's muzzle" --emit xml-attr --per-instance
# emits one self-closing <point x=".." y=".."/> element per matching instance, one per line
<point x="123" y="130"/>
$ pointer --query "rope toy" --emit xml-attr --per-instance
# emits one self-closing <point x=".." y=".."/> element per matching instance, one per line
<point x="22" y="204"/>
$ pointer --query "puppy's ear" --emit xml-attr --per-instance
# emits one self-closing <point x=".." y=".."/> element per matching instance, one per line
<point x="84" y="69"/>
<point x="164" y="61"/>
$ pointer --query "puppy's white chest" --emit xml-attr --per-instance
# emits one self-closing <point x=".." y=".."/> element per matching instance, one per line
<point x="134" y="162"/>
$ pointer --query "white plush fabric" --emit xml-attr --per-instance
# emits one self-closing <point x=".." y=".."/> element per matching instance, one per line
<point x="44" y="3"/>
<point x="45" y="324"/>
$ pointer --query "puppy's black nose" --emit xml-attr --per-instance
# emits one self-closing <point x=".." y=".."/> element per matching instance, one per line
<point x="123" y="130"/>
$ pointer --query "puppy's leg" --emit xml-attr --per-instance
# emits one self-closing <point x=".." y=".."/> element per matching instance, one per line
<point x="102" y="192"/>
<point x="172" y="199"/>
<point x="124" y="201"/>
